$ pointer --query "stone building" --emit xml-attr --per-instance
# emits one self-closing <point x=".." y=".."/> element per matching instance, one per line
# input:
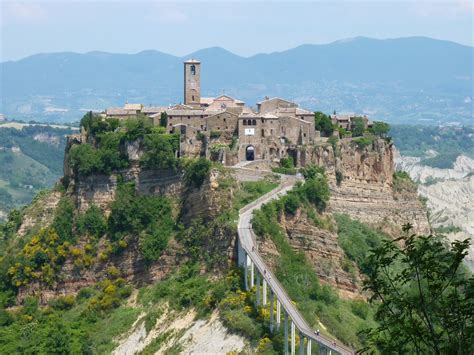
<point x="211" y="123"/>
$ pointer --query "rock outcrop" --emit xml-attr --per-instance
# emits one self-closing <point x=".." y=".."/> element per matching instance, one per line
<point x="365" y="190"/>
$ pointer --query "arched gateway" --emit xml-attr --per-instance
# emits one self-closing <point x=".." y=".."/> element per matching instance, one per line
<point x="250" y="153"/>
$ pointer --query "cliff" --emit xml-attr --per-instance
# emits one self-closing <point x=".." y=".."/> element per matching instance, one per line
<point x="365" y="189"/>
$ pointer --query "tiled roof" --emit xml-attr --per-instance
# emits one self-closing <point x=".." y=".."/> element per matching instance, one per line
<point x="134" y="107"/>
<point x="207" y="100"/>
<point x="117" y="111"/>
<point x="191" y="112"/>
<point x="154" y="109"/>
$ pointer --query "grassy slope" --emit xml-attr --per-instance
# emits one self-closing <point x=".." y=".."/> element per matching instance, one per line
<point x="94" y="319"/>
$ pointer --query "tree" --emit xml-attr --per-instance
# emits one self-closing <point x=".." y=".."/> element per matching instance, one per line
<point x="196" y="171"/>
<point x="164" y="119"/>
<point x="380" y="128"/>
<point x="358" y="127"/>
<point x="425" y="296"/>
<point x="160" y="151"/>
<point x="323" y="123"/>
<point x="92" y="222"/>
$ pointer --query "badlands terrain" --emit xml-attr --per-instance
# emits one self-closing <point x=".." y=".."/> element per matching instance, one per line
<point x="450" y="195"/>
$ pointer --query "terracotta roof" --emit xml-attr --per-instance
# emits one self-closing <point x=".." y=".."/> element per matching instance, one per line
<point x="207" y="100"/>
<point x="134" y="107"/>
<point x="191" y="112"/>
<point x="154" y="109"/>
<point x="117" y="111"/>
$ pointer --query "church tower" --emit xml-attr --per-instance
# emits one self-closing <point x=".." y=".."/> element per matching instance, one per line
<point x="192" y="82"/>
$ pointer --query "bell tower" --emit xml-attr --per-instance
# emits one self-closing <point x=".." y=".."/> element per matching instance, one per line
<point x="192" y="82"/>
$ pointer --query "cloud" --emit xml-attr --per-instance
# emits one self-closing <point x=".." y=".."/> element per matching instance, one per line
<point x="169" y="14"/>
<point x="22" y="12"/>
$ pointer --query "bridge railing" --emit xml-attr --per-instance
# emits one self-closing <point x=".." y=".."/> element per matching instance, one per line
<point x="275" y="286"/>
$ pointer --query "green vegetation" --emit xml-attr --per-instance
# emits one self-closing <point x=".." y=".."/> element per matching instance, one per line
<point x="447" y="229"/>
<point x="196" y="171"/>
<point x="164" y="120"/>
<point x="343" y="319"/>
<point x="323" y="124"/>
<point x="287" y="167"/>
<point x="105" y="151"/>
<point x="92" y="222"/>
<point x="358" y="126"/>
<point x="148" y="217"/>
<point x="424" y="296"/>
<point x="160" y="150"/>
<point x="85" y="325"/>
<point x="402" y="182"/>
<point x="448" y="142"/>
<point x="357" y="240"/>
<point x="380" y="128"/>
<point x="442" y="161"/>
<point x="31" y="160"/>
<point x="363" y="142"/>
<point x="339" y="177"/>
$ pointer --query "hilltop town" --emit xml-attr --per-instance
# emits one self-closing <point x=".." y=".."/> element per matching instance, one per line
<point x="275" y="128"/>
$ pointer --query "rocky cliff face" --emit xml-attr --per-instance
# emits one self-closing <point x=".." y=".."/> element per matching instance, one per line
<point x="322" y="251"/>
<point x="205" y="202"/>
<point x="365" y="192"/>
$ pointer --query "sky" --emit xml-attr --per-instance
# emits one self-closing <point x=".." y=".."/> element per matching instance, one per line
<point x="243" y="27"/>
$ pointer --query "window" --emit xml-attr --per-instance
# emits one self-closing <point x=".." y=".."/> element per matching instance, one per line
<point x="189" y="117"/>
<point x="193" y="98"/>
<point x="254" y="122"/>
<point x="224" y="119"/>
<point x="244" y="122"/>
<point x="263" y="132"/>
<point x="193" y="71"/>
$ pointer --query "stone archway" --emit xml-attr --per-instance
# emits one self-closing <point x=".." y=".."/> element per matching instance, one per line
<point x="250" y="153"/>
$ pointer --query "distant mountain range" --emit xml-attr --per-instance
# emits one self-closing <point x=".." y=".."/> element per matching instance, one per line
<point x="401" y="80"/>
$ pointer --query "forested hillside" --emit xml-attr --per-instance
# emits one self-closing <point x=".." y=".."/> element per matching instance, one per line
<point x="31" y="159"/>
<point x="437" y="146"/>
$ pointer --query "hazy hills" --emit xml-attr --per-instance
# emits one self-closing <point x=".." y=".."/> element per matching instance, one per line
<point x="403" y="79"/>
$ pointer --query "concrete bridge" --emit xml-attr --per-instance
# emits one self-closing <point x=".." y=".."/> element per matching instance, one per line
<point x="256" y="273"/>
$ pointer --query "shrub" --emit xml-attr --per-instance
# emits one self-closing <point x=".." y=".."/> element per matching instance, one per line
<point x="92" y="222"/>
<point x="357" y="239"/>
<point x="380" y="128"/>
<point x="196" y="171"/>
<point x="316" y="191"/>
<point x="95" y="124"/>
<point x="63" y="303"/>
<point x="287" y="167"/>
<point x="63" y="220"/>
<point x="323" y="124"/>
<point x="311" y="171"/>
<point x="137" y="127"/>
<point x="358" y="126"/>
<point x="402" y="182"/>
<point x="215" y="134"/>
<point x="291" y="202"/>
<point x="164" y="119"/>
<point x="160" y="151"/>
<point x="148" y="217"/>
<point x="360" y="308"/>
<point x="339" y="177"/>
<point x="363" y="142"/>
